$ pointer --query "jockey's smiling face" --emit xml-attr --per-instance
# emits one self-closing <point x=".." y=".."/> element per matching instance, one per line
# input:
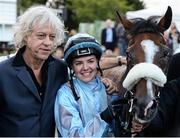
<point x="85" y="67"/>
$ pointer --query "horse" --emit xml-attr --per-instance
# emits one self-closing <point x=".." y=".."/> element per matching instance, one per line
<point x="113" y="70"/>
<point x="144" y="75"/>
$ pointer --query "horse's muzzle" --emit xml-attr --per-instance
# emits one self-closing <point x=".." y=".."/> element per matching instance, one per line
<point x="144" y="114"/>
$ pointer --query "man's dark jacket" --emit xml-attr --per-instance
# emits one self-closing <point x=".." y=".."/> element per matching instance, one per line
<point x="174" y="67"/>
<point x="22" y="111"/>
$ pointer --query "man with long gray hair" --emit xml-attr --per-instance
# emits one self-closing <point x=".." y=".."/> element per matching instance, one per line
<point x="29" y="80"/>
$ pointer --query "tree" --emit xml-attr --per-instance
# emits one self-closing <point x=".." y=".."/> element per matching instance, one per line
<point x="91" y="10"/>
<point x="22" y="5"/>
<point x="88" y="10"/>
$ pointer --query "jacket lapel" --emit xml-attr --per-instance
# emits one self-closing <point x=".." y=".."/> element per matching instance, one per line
<point x="23" y="75"/>
<point x="50" y="80"/>
<point x="26" y="79"/>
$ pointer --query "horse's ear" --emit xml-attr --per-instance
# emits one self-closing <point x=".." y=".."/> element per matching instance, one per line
<point x="165" y="21"/>
<point x="125" y="22"/>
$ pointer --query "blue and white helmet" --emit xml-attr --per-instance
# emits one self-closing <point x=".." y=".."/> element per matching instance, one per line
<point x="81" y="44"/>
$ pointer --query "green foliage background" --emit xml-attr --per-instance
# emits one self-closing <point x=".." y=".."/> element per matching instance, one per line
<point x="88" y="10"/>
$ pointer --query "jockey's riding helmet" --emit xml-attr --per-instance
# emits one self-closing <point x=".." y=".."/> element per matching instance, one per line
<point x="79" y="45"/>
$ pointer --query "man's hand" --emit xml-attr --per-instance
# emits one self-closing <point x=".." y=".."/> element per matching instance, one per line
<point x="136" y="127"/>
<point x="110" y="85"/>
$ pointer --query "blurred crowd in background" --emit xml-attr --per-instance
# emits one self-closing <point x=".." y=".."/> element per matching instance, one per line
<point x="114" y="42"/>
<point x="112" y="38"/>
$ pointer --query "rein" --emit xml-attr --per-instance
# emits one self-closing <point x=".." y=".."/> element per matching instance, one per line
<point x="110" y="67"/>
<point x="125" y="119"/>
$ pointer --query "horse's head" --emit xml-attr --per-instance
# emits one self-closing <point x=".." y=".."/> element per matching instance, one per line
<point x="147" y="60"/>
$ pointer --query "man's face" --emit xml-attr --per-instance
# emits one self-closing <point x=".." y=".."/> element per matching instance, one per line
<point x="40" y="43"/>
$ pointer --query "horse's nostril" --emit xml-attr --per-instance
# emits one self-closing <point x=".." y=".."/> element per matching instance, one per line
<point x="146" y="113"/>
<point x="155" y="104"/>
<point x="149" y="106"/>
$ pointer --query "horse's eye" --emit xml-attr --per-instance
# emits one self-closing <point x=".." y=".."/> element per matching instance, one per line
<point x="163" y="41"/>
<point x="167" y="53"/>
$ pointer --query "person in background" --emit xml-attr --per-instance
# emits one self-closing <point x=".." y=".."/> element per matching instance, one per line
<point x="59" y="52"/>
<point x="121" y="39"/>
<point x="174" y="64"/>
<point x="174" y="38"/>
<point x="9" y="52"/>
<point x="29" y="81"/>
<point x="72" y="32"/>
<point x="108" y="36"/>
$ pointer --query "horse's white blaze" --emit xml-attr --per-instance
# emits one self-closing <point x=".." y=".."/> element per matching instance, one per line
<point x="149" y="89"/>
<point x="150" y="49"/>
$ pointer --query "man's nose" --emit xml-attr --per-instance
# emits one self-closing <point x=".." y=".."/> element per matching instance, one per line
<point x="48" y="41"/>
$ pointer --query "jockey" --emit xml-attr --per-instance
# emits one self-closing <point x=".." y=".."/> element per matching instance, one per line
<point x="81" y="106"/>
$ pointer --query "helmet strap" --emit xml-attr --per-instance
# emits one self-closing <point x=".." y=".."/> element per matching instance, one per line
<point x="72" y="86"/>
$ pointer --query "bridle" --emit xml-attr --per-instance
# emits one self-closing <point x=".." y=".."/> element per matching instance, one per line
<point x="110" y="67"/>
<point x="129" y="96"/>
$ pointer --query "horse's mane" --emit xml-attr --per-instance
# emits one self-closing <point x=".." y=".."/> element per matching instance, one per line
<point x="141" y="25"/>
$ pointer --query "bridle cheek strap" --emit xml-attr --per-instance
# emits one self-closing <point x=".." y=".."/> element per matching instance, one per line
<point x="147" y="71"/>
